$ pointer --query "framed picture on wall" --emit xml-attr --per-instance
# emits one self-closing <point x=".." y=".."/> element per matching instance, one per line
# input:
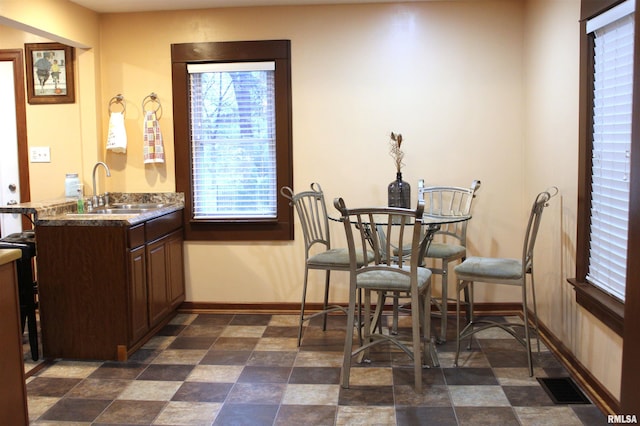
<point x="49" y="73"/>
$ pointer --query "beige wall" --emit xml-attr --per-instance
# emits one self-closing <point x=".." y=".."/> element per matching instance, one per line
<point x="448" y="76"/>
<point x="551" y="143"/>
<point x="57" y="20"/>
<point x="479" y="89"/>
<point x="70" y="130"/>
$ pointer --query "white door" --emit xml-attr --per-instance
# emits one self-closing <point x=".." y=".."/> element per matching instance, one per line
<point x="9" y="177"/>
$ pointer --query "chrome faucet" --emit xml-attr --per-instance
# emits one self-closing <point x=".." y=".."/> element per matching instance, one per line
<point x="94" y="200"/>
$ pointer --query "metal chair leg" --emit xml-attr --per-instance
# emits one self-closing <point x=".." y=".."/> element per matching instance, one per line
<point x="396" y="307"/>
<point x="527" y="337"/>
<point x="467" y="288"/>
<point x="459" y="284"/>
<point x="302" y="304"/>
<point x="535" y="310"/>
<point x="444" y="303"/>
<point x="326" y="299"/>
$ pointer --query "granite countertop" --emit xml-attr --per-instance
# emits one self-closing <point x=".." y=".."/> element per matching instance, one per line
<point x="64" y="212"/>
<point x="9" y="255"/>
<point x="37" y="207"/>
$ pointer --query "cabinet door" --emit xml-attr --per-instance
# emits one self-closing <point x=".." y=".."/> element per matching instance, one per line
<point x="175" y="260"/>
<point x="138" y="314"/>
<point x="157" y="283"/>
<point x="13" y="395"/>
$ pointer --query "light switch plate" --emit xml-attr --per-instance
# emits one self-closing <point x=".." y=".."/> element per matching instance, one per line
<point x="40" y="154"/>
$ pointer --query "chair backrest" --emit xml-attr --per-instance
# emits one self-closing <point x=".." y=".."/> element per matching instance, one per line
<point x="312" y="212"/>
<point x="450" y="201"/>
<point x="384" y="237"/>
<point x="541" y="201"/>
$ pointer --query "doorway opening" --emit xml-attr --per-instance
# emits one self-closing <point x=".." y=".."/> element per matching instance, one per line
<point x="14" y="181"/>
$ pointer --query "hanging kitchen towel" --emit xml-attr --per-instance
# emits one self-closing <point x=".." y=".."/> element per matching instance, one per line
<point x="153" y="146"/>
<point x="117" y="138"/>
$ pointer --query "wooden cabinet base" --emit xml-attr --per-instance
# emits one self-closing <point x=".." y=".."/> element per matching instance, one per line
<point x="13" y="394"/>
<point x="94" y="287"/>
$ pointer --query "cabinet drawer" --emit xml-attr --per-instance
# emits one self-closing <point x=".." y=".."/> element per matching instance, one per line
<point x="163" y="225"/>
<point x="136" y="236"/>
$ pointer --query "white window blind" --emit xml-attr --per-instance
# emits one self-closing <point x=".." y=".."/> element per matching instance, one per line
<point x="613" y="89"/>
<point x="233" y="140"/>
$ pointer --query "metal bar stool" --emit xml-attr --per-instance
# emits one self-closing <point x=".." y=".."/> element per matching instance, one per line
<point x="26" y="242"/>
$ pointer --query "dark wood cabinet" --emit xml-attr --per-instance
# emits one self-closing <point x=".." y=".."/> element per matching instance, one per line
<point x="13" y="394"/>
<point x="165" y="276"/>
<point x="175" y="262"/>
<point x="138" y="312"/>
<point x="105" y="290"/>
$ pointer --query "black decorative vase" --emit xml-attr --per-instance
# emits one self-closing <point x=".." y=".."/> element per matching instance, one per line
<point x="399" y="193"/>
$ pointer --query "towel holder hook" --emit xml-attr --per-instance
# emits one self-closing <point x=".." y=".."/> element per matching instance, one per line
<point x="152" y="98"/>
<point x="118" y="100"/>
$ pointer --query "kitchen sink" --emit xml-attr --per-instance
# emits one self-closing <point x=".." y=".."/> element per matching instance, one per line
<point x="120" y="209"/>
<point x="108" y="211"/>
<point x="133" y="206"/>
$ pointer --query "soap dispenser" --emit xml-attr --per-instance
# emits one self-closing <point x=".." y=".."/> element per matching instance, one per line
<point x="71" y="183"/>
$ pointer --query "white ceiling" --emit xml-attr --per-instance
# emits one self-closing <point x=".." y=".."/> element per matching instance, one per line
<point x="117" y="6"/>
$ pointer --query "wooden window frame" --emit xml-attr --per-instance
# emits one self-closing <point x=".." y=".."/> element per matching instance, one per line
<point x="603" y="306"/>
<point x="232" y="229"/>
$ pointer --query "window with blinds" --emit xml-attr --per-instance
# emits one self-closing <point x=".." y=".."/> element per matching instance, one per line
<point x="233" y="144"/>
<point x="613" y="88"/>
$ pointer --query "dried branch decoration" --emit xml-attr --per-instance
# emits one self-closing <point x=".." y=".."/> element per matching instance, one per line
<point x="395" y="151"/>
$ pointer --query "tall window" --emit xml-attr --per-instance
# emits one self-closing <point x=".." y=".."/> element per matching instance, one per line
<point x="606" y="180"/>
<point x="611" y="147"/>
<point x="233" y="147"/>
<point x="232" y="111"/>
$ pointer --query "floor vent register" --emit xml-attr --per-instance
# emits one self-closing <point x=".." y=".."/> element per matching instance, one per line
<point x="563" y="390"/>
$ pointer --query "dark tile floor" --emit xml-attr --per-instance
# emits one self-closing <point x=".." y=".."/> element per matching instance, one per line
<point x="211" y="369"/>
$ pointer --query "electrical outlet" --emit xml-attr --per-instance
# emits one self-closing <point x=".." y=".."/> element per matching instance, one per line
<point x="40" y="154"/>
